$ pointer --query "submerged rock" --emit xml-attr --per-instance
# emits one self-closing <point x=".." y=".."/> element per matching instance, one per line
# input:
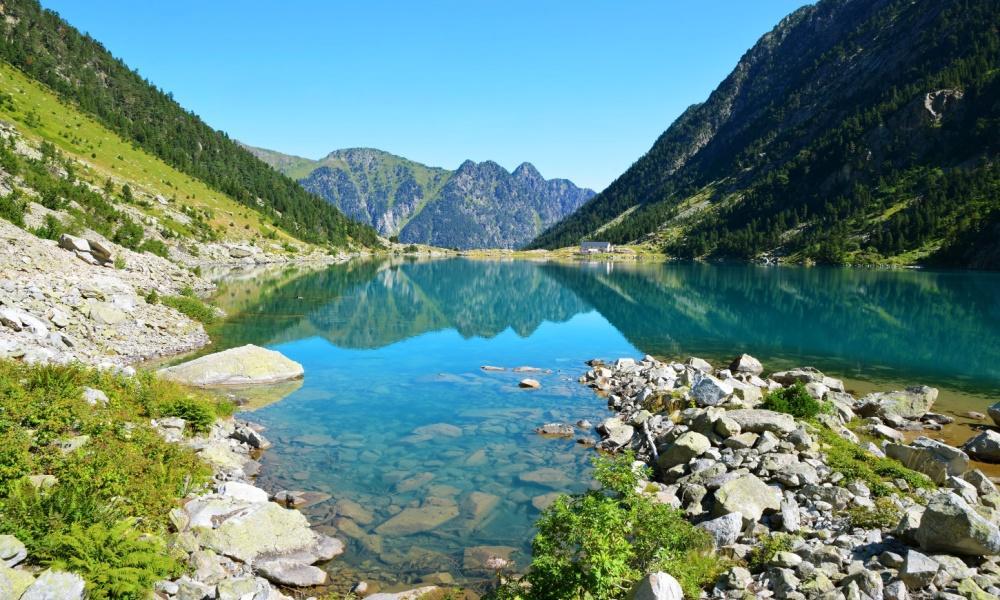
<point x="237" y="366"/>
<point x="416" y="520"/>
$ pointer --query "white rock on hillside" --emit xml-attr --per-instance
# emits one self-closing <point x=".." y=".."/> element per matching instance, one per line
<point x="246" y="365"/>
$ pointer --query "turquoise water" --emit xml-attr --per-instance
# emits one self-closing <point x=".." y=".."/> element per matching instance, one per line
<point x="396" y="415"/>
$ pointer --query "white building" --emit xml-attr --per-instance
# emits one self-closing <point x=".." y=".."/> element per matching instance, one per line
<point x="595" y="247"/>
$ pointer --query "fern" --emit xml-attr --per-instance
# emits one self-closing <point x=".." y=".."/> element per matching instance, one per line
<point x="117" y="562"/>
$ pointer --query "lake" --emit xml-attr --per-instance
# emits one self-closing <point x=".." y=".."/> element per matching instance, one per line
<point x="427" y="457"/>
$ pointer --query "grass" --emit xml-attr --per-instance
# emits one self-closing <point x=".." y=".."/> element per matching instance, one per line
<point x="40" y="115"/>
<point x="877" y="473"/>
<point x="768" y="546"/>
<point x="126" y="477"/>
<point x="192" y="307"/>
<point x="883" y="515"/>
<point x="795" y="400"/>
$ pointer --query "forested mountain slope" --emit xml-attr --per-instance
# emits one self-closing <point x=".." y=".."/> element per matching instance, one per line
<point x="479" y="205"/>
<point x="80" y="70"/>
<point x="856" y="130"/>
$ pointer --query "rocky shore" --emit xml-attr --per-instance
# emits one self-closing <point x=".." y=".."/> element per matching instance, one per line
<point x="750" y="476"/>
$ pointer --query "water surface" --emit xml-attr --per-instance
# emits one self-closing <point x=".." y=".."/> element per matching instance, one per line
<point x="395" y="414"/>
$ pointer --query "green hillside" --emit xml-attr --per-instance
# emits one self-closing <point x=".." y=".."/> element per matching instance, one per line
<point x="853" y="132"/>
<point x="81" y="71"/>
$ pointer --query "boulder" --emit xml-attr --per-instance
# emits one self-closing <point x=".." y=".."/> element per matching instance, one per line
<point x="710" y="391"/>
<point x="758" y="420"/>
<point x="949" y="524"/>
<point x="689" y="445"/>
<point x="725" y="530"/>
<point x="94" y="397"/>
<point x="744" y="363"/>
<point x="100" y="250"/>
<point x="13" y="582"/>
<point x="656" y="586"/>
<point x="417" y="520"/>
<point x="105" y="313"/>
<point x="556" y="430"/>
<point x="994" y="412"/>
<point x="747" y="495"/>
<point x="245" y="365"/>
<point x="55" y="585"/>
<point x="616" y="432"/>
<point x="910" y="403"/>
<point x="243" y="491"/>
<point x="414" y="594"/>
<point x="935" y="459"/>
<point x="918" y="570"/>
<point x="984" y="447"/>
<point x="801" y="375"/>
<point x="12" y="550"/>
<point x="290" y="573"/>
<point x="531" y="384"/>
<point x="248" y="531"/>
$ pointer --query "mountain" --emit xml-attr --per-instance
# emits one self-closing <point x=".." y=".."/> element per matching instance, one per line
<point x="83" y="73"/>
<point x="479" y="205"/>
<point x="854" y="131"/>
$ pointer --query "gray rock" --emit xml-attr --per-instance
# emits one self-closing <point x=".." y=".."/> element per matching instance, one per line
<point x="748" y="496"/>
<point x="556" y="429"/>
<point x="758" y="420"/>
<point x="910" y="403"/>
<point x="12" y="551"/>
<point x="94" y="397"/>
<point x="935" y="459"/>
<point x="55" y="585"/>
<point x="291" y="573"/>
<point x="800" y="375"/>
<point x="105" y="313"/>
<point x="189" y="589"/>
<point x="983" y="484"/>
<point x="896" y="590"/>
<point x="656" y="586"/>
<point x="918" y="570"/>
<point x="790" y="516"/>
<point x="745" y="363"/>
<point x="725" y="530"/>
<point x="616" y="432"/>
<point x="950" y="524"/>
<point x="994" y="412"/>
<point x="868" y="583"/>
<point x="710" y="391"/>
<point x="689" y="445"/>
<point x="984" y="447"/>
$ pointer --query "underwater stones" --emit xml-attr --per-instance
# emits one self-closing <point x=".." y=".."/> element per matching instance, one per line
<point x="413" y="594"/>
<point x="556" y="430"/>
<point x="545" y="500"/>
<point x="438" y="430"/>
<point x="484" y="559"/>
<point x="546" y="476"/>
<point x="417" y="520"/>
<point x="246" y="365"/>
<point x="354" y="511"/>
<point x="411" y="483"/>
<point x="478" y="505"/>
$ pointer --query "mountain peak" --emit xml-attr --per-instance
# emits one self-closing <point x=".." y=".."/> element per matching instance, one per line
<point x="526" y="170"/>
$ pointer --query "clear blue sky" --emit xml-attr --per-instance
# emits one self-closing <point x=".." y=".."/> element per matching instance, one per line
<point x="579" y="88"/>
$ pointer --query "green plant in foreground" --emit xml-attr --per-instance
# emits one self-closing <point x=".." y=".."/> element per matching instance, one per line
<point x="597" y="544"/>
<point x="199" y="417"/>
<point x="855" y="463"/>
<point x="794" y="400"/>
<point x="117" y="562"/>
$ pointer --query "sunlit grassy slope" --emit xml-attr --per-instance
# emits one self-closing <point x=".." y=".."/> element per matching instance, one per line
<point x="38" y="114"/>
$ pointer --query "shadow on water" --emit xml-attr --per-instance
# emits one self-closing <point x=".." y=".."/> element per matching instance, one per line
<point x="426" y="457"/>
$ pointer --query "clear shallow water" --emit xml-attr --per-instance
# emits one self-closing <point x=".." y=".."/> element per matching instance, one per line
<point x="396" y="415"/>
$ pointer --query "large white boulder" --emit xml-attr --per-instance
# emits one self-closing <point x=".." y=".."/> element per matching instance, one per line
<point x="246" y="365"/>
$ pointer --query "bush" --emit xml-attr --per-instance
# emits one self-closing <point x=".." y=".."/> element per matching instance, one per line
<point x="884" y="515"/>
<point x="129" y="234"/>
<point x="51" y="228"/>
<point x="155" y="247"/>
<point x="152" y="297"/>
<point x="877" y="473"/>
<point x="794" y="400"/>
<point x="192" y="307"/>
<point x="116" y="562"/>
<point x="598" y="543"/>
<point x="199" y="415"/>
<point x="12" y="208"/>
<point x="768" y="546"/>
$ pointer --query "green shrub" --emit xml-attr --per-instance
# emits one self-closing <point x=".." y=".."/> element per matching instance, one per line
<point x="129" y="234"/>
<point x="12" y="208"/>
<point x="793" y="400"/>
<point x="768" y="546"/>
<point x="884" y="515"/>
<point x="120" y="263"/>
<point x="597" y="544"/>
<point x="192" y="307"/>
<point x="117" y="562"/>
<point x="155" y="247"/>
<point x="152" y="297"/>
<point x="51" y="228"/>
<point x="199" y="415"/>
<point x="878" y="473"/>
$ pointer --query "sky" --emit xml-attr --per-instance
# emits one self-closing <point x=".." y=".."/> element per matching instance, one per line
<point x="581" y="89"/>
